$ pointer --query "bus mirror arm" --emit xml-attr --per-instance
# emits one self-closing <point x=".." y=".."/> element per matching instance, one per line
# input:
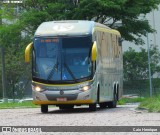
<point x="94" y="51"/>
<point x="27" y="52"/>
<point x="120" y="40"/>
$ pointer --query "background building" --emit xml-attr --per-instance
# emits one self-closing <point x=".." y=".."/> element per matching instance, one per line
<point x="154" y="38"/>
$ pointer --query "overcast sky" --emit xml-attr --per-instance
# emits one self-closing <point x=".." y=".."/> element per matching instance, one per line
<point x="150" y="17"/>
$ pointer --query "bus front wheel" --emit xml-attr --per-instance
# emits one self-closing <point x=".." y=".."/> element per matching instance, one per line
<point x="44" y="108"/>
<point x="93" y="107"/>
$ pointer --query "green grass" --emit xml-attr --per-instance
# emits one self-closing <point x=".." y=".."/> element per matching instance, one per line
<point x="26" y="104"/>
<point x="151" y="104"/>
<point x="123" y="101"/>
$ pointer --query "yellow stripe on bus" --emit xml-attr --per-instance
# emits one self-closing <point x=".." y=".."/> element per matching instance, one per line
<point x="89" y="101"/>
<point x="61" y="84"/>
<point x="107" y="30"/>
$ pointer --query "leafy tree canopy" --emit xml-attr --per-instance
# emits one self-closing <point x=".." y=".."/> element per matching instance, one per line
<point x="123" y="15"/>
<point x="136" y="63"/>
<point x="14" y="44"/>
<point x="17" y="30"/>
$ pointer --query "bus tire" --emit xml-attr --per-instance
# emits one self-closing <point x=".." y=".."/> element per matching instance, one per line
<point x="44" y="108"/>
<point x="62" y="107"/>
<point x="118" y="93"/>
<point x="103" y="105"/>
<point x="113" y="103"/>
<point x="93" y="107"/>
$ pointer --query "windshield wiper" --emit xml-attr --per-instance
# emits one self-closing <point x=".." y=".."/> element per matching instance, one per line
<point x="70" y="72"/>
<point x="53" y="70"/>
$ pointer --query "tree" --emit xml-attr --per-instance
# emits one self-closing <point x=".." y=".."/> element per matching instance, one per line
<point x="14" y="44"/>
<point x="136" y="63"/>
<point x="18" y="29"/>
<point x="111" y="13"/>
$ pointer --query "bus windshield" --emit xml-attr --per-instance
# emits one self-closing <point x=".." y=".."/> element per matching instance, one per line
<point x="62" y="59"/>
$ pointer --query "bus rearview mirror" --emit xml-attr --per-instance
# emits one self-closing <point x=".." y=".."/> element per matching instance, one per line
<point x="27" y="52"/>
<point x="94" y="51"/>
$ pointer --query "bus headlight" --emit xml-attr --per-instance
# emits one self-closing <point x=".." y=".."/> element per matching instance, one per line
<point x="38" y="89"/>
<point x="85" y="88"/>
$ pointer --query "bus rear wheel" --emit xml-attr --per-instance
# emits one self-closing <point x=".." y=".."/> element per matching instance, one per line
<point x="44" y="108"/>
<point x="113" y="104"/>
<point x="103" y="105"/>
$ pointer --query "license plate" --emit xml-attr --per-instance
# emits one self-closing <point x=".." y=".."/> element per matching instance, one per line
<point x="61" y="99"/>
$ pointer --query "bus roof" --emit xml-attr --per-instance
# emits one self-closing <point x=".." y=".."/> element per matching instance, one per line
<point x="70" y="28"/>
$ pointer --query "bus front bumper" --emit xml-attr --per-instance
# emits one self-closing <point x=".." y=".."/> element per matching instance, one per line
<point x="77" y="94"/>
<point x="55" y="98"/>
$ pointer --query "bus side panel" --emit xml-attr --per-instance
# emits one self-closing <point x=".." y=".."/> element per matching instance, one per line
<point x="109" y="65"/>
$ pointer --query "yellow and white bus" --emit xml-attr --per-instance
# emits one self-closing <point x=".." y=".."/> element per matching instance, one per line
<point x="76" y="63"/>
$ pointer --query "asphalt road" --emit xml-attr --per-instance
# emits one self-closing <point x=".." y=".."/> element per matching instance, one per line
<point x="123" y="115"/>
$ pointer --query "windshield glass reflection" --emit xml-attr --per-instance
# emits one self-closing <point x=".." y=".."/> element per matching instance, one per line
<point x="63" y="59"/>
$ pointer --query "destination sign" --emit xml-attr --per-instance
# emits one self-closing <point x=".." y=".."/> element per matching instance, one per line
<point x="50" y="40"/>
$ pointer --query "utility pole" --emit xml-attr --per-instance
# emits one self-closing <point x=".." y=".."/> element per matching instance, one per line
<point x="149" y="67"/>
<point x="0" y="14"/>
<point x="154" y="27"/>
<point x="3" y="66"/>
<point x="3" y="75"/>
